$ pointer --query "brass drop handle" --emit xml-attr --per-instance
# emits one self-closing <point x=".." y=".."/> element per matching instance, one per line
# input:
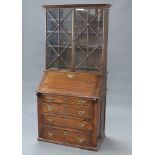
<point x="81" y="101"/>
<point x="50" y="120"/>
<point x="50" y="108"/>
<point x="81" y="125"/>
<point x="80" y="112"/>
<point x="51" y="134"/>
<point x="50" y="99"/>
<point x="66" y="133"/>
<point x="70" y="75"/>
<point x="80" y="140"/>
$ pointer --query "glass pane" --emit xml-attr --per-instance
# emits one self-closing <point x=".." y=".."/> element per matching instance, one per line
<point x="80" y="20"/>
<point x="81" y="40"/>
<point x="55" y="64"/>
<point x="93" y="39"/>
<point x="80" y="55"/>
<point x="65" y="38"/>
<point x="53" y="40"/>
<point x="54" y="14"/>
<point x="51" y="56"/>
<point x="51" y="24"/>
<point x="96" y="21"/>
<point x="65" y="13"/>
<point x="81" y="50"/>
<point x="92" y="14"/>
<point x="66" y="57"/>
<point x="83" y="13"/>
<point x="66" y="25"/>
<point x="95" y="59"/>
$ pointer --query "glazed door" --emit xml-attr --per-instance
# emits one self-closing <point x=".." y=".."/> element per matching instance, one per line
<point x="88" y="39"/>
<point x="74" y="39"/>
<point x="59" y="38"/>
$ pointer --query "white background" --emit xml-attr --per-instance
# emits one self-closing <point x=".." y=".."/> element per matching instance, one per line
<point x="143" y="77"/>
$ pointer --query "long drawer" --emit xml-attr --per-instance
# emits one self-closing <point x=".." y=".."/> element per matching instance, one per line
<point x="63" y="109"/>
<point x="67" y="122"/>
<point x="68" y="100"/>
<point x="66" y="136"/>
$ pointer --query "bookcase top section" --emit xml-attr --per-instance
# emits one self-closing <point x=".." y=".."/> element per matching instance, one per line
<point x="77" y="6"/>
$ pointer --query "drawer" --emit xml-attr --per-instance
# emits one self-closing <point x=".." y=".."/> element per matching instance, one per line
<point x="65" y="136"/>
<point x="73" y="123"/>
<point x="52" y="134"/>
<point x="79" y="138"/>
<point x="52" y="108"/>
<point x="79" y="112"/>
<point x="80" y="102"/>
<point x="54" y="99"/>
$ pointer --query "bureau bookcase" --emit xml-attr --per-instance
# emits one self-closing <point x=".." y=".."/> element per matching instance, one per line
<point x="71" y="97"/>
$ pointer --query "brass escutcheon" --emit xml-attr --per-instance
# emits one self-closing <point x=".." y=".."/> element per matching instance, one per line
<point x="81" y="102"/>
<point x="66" y="133"/>
<point x="50" y="108"/>
<point x="81" y="125"/>
<point x="70" y="75"/>
<point x="50" y="120"/>
<point x="50" y="99"/>
<point x="80" y="112"/>
<point x="80" y="140"/>
<point x="50" y="134"/>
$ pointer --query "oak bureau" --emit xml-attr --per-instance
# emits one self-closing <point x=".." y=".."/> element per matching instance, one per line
<point x="71" y="97"/>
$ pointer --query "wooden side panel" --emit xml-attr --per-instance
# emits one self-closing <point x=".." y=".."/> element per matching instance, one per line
<point x="106" y="22"/>
<point x="39" y="116"/>
<point x="103" y="115"/>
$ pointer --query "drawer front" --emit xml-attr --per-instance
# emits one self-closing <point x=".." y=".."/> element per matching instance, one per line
<point x="54" y="99"/>
<point x="72" y="123"/>
<point x="80" y="102"/>
<point x="72" y="137"/>
<point x="52" y="108"/>
<point x="52" y="134"/>
<point x="77" y="138"/>
<point x="79" y="112"/>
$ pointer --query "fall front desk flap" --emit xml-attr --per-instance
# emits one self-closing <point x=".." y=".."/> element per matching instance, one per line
<point x="80" y="84"/>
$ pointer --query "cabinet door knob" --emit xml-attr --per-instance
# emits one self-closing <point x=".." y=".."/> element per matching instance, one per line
<point x="80" y="112"/>
<point x="50" y="108"/>
<point x="50" y="134"/>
